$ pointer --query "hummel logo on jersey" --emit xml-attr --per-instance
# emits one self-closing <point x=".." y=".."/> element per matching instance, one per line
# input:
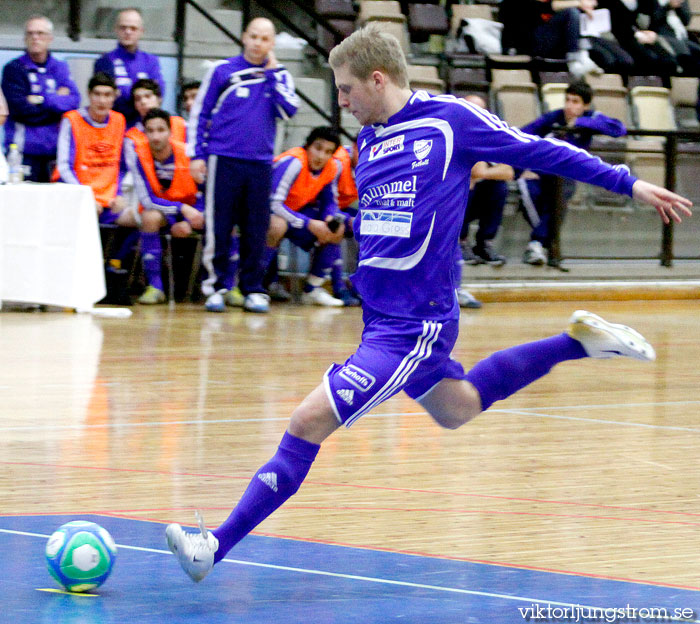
<point x="346" y="395"/>
<point x="390" y="146"/>
<point x="269" y="479"/>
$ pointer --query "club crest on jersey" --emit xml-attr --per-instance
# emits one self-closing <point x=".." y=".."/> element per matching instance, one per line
<point x="422" y="148"/>
<point x="385" y="148"/>
<point x="362" y="380"/>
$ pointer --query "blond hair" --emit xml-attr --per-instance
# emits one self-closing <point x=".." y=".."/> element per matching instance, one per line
<point x="370" y="49"/>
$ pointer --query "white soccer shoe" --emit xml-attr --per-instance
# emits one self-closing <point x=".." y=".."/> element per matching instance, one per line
<point x="603" y="340"/>
<point x="318" y="296"/>
<point x="194" y="551"/>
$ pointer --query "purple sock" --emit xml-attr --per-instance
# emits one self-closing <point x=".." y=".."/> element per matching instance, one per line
<point x="505" y="372"/>
<point x="151" y="256"/>
<point x="273" y="484"/>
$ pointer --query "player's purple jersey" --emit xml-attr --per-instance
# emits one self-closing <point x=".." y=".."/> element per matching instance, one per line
<point x="413" y="181"/>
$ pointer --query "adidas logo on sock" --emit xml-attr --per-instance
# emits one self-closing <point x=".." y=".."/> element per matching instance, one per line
<point x="347" y="395"/>
<point x="269" y="479"/>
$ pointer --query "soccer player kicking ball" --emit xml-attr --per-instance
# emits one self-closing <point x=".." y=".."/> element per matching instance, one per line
<point x="416" y="155"/>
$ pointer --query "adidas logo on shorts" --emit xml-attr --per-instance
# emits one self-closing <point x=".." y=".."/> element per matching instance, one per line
<point x="346" y="394"/>
<point x="269" y="479"/>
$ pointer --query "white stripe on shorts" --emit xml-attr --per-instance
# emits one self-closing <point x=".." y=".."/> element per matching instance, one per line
<point x="421" y="352"/>
<point x="209" y="246"/>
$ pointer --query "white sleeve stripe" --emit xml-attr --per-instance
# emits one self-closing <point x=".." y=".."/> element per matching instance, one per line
<point x="489" y="119"/>
<point x="65" y="138"/>
<point x="279" y="194"/>
<point x="197" y="109"/>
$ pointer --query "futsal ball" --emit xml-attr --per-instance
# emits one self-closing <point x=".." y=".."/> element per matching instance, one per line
<point x="80" y="555"/>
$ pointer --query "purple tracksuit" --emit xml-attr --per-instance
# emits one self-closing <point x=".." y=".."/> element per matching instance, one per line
<point x="126" y="68"/>
<point x="232" y="125"/>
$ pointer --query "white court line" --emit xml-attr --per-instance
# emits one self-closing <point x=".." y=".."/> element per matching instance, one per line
<point x="525" y="411"/>
<point x="601" y="421"/>
<point x="370" y="579"/>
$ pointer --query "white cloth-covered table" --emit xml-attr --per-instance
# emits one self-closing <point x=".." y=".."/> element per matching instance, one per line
<point x="50" y="249"/>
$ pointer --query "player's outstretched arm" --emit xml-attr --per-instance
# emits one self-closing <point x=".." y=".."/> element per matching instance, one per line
<point x="665" y="202"/>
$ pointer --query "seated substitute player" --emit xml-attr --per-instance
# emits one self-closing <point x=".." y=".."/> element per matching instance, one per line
<point x="188" y="93"/>
<point x="146" y="95"/>
<point x="167" y="193"/>
<point x="304" y="203"/>
<point x="538" y="193"/>
<point x="347" y="202"/>
<point x="406" y="279"/>
<point x="90" y="150"/>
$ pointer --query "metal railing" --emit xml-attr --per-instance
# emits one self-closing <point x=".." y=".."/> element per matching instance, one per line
<point x="670" y="150"/>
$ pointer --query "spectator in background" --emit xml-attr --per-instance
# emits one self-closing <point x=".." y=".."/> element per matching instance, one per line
<point x="189" y="94"/>
<point x="304" y="204"/>
<point x="487" y="198"/>
<point x="534" y="28"/>
<point x="630" y="24"/>
<point x="605" y="51"/>
<point x="145" y="96"/>
<point x="347" y="198"/>
<point x="90" y="150"/>
<point x="166" y="191"/>
<point x="669" y="19"/>
<point x="539" y="191"/>
<point x="127" y="64"/>
<point x="230" y="139"/>
<point x="39" y="89"/>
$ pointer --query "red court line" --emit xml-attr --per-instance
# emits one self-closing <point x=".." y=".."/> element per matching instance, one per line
<point x="366" y="487"/>
<point x="415" y="553"/>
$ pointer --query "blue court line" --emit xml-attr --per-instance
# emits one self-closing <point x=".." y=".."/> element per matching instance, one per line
<point x="367" y="579"/>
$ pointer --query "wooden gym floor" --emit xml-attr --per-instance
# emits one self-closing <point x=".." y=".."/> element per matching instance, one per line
<point x="580" y="490"/>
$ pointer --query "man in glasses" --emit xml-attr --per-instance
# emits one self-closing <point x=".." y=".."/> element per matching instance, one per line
<point x="39" y="89"/>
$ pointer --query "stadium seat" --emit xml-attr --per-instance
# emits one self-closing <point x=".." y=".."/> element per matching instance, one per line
<point x="425" y="77"/>
<point x="335" y="9"/>
<point x="380" y="10"/>
<point x="465" y="80"/>
<point x="425" y="20"/>
<point x="517" y="104"/>
<point x="652" y="108"/>
<point x="553" y="95"/>
<point x="684" y="95"/>
<point x="510" y="77"/>
<point x="605" y="80"/>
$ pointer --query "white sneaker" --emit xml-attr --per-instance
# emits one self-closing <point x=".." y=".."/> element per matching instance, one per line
<point x="320" y="297"/>
<point x="194" y="551"/>
<point x="467" y="300"/>
<point x="215" y="302"/>
<point x="604" y="340"/>
<point x="535" y="254"/>
<point x="257" y="302"/>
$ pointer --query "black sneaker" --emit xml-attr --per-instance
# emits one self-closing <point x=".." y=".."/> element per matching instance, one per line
<point x="486" y="255"/>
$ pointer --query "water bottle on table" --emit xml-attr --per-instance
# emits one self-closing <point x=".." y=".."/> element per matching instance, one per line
<point x="14" y="165"/>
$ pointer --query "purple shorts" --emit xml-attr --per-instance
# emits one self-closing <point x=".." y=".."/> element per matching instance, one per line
<point x="394" y="355"/>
